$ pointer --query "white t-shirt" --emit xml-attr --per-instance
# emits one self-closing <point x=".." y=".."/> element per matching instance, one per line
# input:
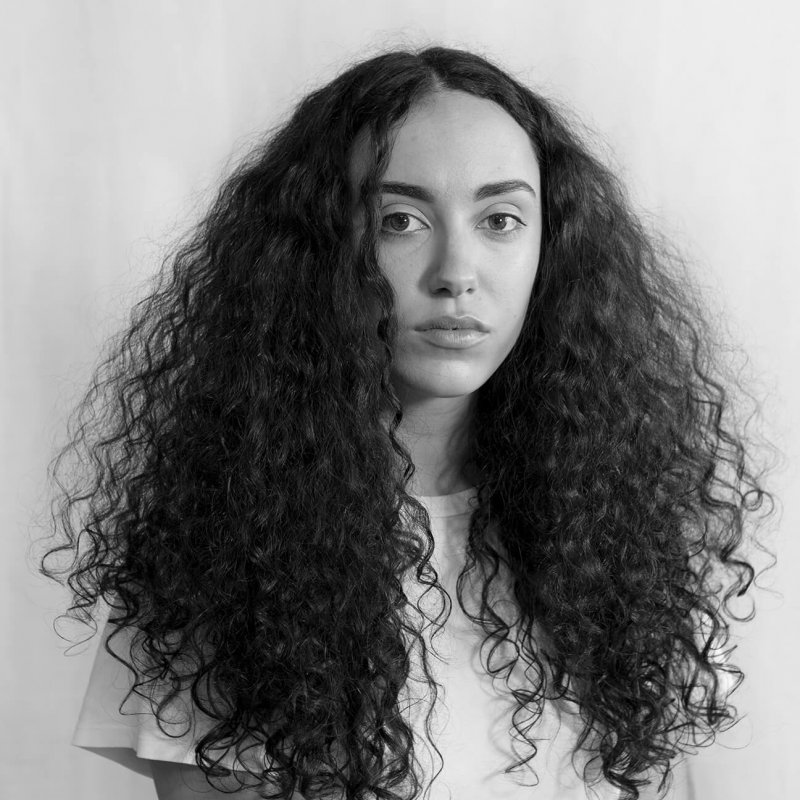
<point x="472" y="721"/>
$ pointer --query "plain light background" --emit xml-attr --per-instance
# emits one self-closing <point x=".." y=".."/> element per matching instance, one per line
<point x="119" y="119"/>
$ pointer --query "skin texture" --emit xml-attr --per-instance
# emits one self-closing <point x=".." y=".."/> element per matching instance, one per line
<point x="453" y="254"/>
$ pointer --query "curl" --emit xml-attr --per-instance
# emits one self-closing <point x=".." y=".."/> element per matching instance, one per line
<point x="245" y="512"/>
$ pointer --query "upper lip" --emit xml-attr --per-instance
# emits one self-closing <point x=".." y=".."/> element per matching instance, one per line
<point x="453" y="322"/>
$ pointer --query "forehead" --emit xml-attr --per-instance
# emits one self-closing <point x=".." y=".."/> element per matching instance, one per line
<point x="453" y="141"/>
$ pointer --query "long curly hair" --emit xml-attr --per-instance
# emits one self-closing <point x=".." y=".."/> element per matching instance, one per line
<point x="238" y="498"/>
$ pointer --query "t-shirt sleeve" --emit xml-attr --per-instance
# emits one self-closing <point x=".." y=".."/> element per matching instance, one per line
<point x="120" y="725"/>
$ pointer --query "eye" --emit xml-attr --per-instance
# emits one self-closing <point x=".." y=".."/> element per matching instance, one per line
<point x="502" y="223"/>
<point x="400" y="222"/>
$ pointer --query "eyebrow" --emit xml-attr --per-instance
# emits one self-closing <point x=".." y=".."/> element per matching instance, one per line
<point x="481" y="193"/>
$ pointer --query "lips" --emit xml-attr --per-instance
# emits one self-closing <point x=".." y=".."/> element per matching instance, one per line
<point x="454" y="323"/>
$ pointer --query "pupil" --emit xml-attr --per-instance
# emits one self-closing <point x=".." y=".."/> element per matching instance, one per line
<point x="399" y="221"/>
<point x="498" y="220"/>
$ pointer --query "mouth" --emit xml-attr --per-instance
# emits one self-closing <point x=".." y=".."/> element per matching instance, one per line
<point x="449" y="322"/>
<point x="441" y="328"/>
<point x="454" y="338"/>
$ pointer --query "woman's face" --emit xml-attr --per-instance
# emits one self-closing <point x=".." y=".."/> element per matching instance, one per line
<point x="460" y="235"/>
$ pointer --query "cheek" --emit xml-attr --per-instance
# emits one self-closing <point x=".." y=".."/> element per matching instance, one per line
<point x="399" y="294"/>
<point x="390" y="273"/>
<point x="517" y="284"/>
<point x="399" y="275"/>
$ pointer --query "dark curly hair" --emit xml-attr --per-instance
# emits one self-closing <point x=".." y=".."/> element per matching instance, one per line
<point x="243" y="512"/>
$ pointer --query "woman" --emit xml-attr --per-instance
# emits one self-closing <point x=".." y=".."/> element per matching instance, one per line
<point x="350" y="552"/>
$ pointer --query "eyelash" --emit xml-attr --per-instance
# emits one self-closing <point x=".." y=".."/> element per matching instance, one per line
<point x="520" y="223"/>
<point x="519" y="226"/>
<point x="398" y="214"/>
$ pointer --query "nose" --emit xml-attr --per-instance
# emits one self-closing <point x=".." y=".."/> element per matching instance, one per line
<point x="453" y="267"/>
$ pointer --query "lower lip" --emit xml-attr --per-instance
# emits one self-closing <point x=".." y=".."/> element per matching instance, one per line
<point x="457" y="339"/>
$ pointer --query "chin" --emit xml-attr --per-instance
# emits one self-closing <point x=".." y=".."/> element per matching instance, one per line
<point x="453" y="388"/>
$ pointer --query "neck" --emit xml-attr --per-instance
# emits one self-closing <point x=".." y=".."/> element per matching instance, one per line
<point x="437" y="434"/>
